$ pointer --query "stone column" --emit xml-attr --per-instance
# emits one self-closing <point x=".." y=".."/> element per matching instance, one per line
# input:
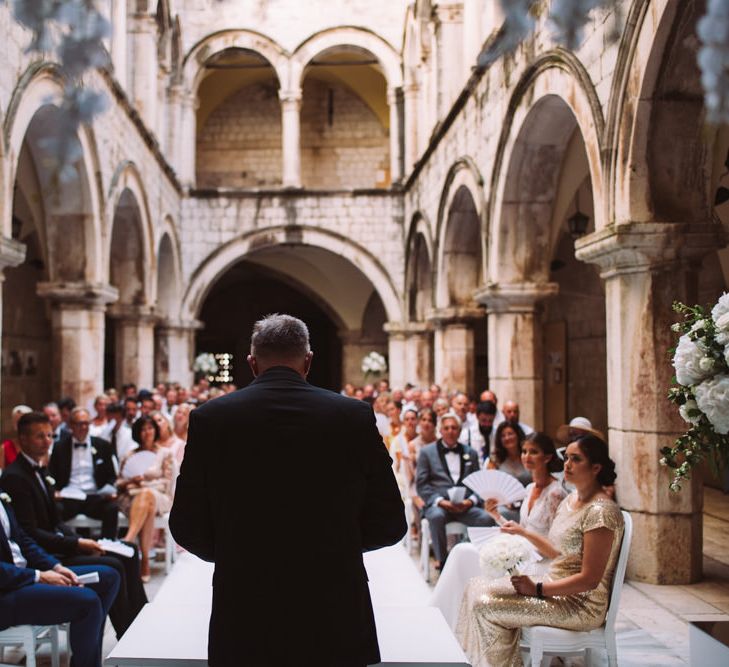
<point x="515" y="345"/>
<point x="144" y="74"/>
<point x="413" y="341"/>
<point x="134" y="344"/>
<point x="450" y="73"/>
<point x="118" y="49"/>
<point x="397" y="370"/>
<point x="647" y="266"/>
<point x="410" y="96"/>
<point x="12" y="253"/>
<point x="175" y="128"/>
<point x="453" y="343"/>
<point x="393" y="99"/>
<point x="188" y="149"/>
<point x="174" y="350"/>
<point x="291" y="137"/>
<point x="77" y="323"/>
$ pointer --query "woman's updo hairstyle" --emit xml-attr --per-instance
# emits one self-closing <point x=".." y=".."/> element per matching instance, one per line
<point x="546" y="446"/>
<point x="596" y="451"/>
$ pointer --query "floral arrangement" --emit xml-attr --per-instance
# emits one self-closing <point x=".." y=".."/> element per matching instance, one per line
<point x="374" y="364"/>
<point x="205" y="363"/>
<point x="701" y="362"/>
<point x="505" y="554"/>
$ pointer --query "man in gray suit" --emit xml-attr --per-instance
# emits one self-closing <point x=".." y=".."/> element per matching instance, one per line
<point x="442" y="466"/>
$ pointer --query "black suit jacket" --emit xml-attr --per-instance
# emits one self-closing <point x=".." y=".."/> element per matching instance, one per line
<point x="35" y="510"/>
<point x="283" y="486"/>
<point x="60" y="464"/>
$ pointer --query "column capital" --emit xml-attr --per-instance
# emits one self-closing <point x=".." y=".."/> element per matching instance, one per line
<point x="514" y="297"/>
<point x="290" y="97"/>
<point x="636" y="247"/>
<point x="133" y="313"/>
<point x="410" y="89"/>
<point x="454" y="315"/>
<point x="406" y="329"/>
<point x="12" y="252"/>
<point x="449" y="13"/>
<point x="179" y="326"/>
<point x="93" y="296"/>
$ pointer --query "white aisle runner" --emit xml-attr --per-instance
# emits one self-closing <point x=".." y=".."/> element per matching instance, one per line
<point x="172" y="631"/>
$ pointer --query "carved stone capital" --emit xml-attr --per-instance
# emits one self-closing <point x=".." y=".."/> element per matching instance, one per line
<point x="290" y="99"/>
<point x="455" y="315"/>
<point x="172" y="326"/>
<point x="91" y="296"/>
<point x="12" y="252"/>
<point x="133" y="313"/>
<point x="515" y="297"/>
<point x="406" y="329"/>
<point x="641" y="246"/>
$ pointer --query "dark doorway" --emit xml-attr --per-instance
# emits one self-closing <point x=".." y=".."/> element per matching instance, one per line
<point x="247" y="292"/>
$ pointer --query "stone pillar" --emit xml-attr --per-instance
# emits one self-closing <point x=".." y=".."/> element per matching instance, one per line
<point x="144" y="74"/>
<point x="473" y="37"/>
<point x="515" y="345"/>
<point x="410" y="96"/>
<point x="453" y="343"/>
<point x="393" y="99"/>
<point x="291" y="137"/>
<point x="188" y="148"/>
<point x="12" y="253"/>
<point x="175" y="128"/>
<point x="414" y="341"/>
<point x="647" y="266"/>
<point x="397" y="371"/>
<point x="77" y="323"/>
<point x="134" y="344"/>
<point x="118" y="48"/>
<point x="450" y="73"/>
<point x="174" y="350"/>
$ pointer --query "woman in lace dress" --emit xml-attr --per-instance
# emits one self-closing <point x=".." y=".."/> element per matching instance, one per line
<point x="543" y="497"/>
<point x="584" y="542"/>
<point x="142" y="497"/>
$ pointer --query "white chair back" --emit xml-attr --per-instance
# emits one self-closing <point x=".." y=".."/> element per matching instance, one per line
<point x="616" y="587"/>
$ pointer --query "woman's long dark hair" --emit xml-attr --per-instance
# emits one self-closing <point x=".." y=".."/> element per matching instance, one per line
<point x="500" y="453"/>
<point x="137" y="428"/>
<point x="546" y="446"/>
<point x="596" y="451"/>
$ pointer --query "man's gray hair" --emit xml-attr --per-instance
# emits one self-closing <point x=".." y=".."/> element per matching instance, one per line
<point x="280" y="337"/>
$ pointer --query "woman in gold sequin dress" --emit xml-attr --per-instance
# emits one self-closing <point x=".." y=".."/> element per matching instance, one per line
<point x="584" y="542"/>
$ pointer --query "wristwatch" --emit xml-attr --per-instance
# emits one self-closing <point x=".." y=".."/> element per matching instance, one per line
<point x="540" y="593"/>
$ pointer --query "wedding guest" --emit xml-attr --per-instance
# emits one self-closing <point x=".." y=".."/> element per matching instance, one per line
<point x="440" y="405"/>
<point x="584" y="542"/>
<point x="86" y="465"/>
<point x="426" y="399"/>
<point x="482" y="437"/>
<point x="101" y="426"/>
<point x="142" y="497"/>
<point x="65" y="405"/>
<point x="544" y="494"/>
<point x="124" y="440"/>
<point x="511" y="415"/>
<point x="181" y="423"/>
<point x="577" y="427"/>
<point x="167" y="437"/>
<point x="441" y="467"/>
<point x="32" y="491"/>
<point x="426" y="436"/>
<point x="507" y="452"/>
<point x="54" y="415"/>
<point x="11" y="446"/>
<point x="380" y="409"/>
<point x="401" y="445"/>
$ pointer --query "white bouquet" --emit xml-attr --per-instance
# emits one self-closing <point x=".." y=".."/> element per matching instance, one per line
<point x="205" y="363"/>
<point x="505" y="554"/>
<point x="374" y="364"/>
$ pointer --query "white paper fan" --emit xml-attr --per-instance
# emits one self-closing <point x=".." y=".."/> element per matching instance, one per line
<point x="496" y="484"/>
<point x="138" y="463"/>
<point x="479" y="535"/>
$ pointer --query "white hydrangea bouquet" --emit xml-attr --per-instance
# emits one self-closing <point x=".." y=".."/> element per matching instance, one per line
<point x="701" y="361"/>
<point x="505" y="554"/>
<point x="374" y="364"/>
<point x="205" y="363"/>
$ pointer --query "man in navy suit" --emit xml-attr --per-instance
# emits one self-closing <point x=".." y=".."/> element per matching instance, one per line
<point x="86" y="464"/>
<point x="36" y="589"/>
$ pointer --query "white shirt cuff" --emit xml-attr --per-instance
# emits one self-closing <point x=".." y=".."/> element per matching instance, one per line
<point x="37" y="576"/>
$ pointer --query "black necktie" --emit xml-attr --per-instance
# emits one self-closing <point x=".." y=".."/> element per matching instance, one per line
<point x="79" y="444"/>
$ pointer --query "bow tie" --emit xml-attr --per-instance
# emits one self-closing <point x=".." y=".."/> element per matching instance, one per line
<point x="79" y="444"/>
<point x="453" y="450"/>
<point x="41" y="470"/>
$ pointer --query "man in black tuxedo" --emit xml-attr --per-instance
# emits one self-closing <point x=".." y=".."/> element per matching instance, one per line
<point x="86" y="463"/>
<point x="287" y="540"/>
<point x="33" y="489"/>
<point x="35" y="589"/>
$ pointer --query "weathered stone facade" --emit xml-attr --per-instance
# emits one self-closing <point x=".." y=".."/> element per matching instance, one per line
<point x="352" y="150"/>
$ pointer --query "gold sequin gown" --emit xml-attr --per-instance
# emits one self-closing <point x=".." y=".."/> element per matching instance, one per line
<point x="492" y="613"/>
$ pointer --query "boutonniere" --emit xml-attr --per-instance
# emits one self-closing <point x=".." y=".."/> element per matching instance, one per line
<point x="5" y="498"/>
<point x="466" y="457"/>
<point x="93" y="451"/>
<point x="50" y="480"/>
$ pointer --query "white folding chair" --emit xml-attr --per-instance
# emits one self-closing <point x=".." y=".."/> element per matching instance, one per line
<point x="544" y="642"/>
<point x="30" y="637"/>
<point x="452" y="528"/>
<point x="163" y="523"/>
<point x="83" y="521"/>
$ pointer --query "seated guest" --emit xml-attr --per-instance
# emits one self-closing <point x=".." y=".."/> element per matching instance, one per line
<point x="483" y="435"/>
<point x="544" y="495"/>
<point x="180" y="425"/>
<point x="84" y="464"/>
<point x="142" y="497"/>
<point x="35" y="589"/>
<point x="115" y="413"/>
<point x="507" y="452"/>
<point x="124" y="441"/>
<point x="511" y="415"/>
<point x="101" y="425"/>
<point x="583" y="543"/>
<point x="426" y="436"/>
<point x="167" y="437"/>
<point x="54" y="414"/>
<point x="442" y="466"/>
<point x="32" y="490"/>
<point x="11" y="447"/>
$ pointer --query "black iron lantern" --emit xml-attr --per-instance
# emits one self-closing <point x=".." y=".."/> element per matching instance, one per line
<point x="577" y="224"/>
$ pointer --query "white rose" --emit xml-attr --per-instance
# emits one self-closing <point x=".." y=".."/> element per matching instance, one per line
<point x="721" y="308"/>
<point x="712" y="398"/>
<point x="722" y="324"/>
<point x="706" y="363"/>
<point x="722" y="337"/>
<point x="687" y="362"/>
<point x="684" y="410"/>
<point x="699" y="324"/>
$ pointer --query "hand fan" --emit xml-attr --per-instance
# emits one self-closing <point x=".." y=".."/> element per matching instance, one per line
<point x="139" y="463"/>
<point x="479" y="535"/>
<point x="496" y="484"/>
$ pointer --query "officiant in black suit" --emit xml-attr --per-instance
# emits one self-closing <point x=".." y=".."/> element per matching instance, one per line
<point x="86" y="463"/>
<point x="287" y="539"/>
<point x="32" y="489"/>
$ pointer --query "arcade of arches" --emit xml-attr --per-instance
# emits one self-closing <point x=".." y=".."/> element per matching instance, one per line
<point x="354" y="168"/>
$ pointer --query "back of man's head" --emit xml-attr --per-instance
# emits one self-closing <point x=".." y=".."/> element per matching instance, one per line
<point x="280" y="340"/>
